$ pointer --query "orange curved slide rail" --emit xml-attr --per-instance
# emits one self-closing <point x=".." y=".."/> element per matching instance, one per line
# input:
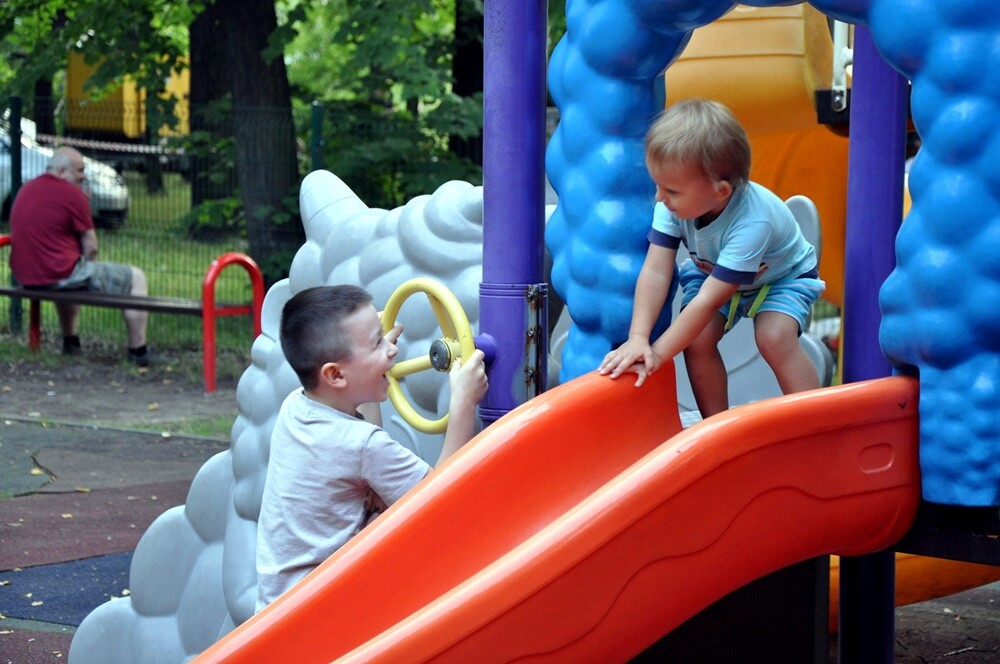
<point x="585" y="525"/>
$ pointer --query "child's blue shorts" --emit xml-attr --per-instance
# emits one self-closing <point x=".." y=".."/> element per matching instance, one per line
<point x="792" y="297"/>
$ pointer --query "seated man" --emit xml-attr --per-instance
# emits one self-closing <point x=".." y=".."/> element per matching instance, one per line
<point x="54" y="246"/>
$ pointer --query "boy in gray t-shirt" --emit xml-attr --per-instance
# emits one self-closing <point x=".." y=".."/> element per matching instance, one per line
<point x="331" y="470"/>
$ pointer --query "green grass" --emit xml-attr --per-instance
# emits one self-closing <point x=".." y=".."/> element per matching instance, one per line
<point x="207" y="427"/>
<point x="12" y="349"/>
<point x="162" y="210"/>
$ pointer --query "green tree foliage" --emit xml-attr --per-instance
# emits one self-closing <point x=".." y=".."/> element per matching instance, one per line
<point x="147" y="40"/>
<point x="383" y="72"/>
<point x="144" y="39"/>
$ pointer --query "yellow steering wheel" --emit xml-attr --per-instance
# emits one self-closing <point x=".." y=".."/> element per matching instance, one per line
<point x="457" y="342"/>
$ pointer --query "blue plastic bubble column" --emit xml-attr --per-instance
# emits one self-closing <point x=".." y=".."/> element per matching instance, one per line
<point x="941" y="305"/>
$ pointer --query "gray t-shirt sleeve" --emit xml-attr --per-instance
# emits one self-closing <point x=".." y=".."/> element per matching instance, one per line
<point x="389" y="468"/>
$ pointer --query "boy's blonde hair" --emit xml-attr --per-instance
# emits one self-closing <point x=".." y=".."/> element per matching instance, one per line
<point x="703" y="133"/>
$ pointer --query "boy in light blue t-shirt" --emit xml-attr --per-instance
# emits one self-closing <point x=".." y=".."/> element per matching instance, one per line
<point x="748" y="259"/>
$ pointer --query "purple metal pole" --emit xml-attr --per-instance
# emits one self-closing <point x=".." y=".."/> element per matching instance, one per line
<point x="874" y="213"/>
<point x="513" y="294"/>
<point x="874" y="203"/>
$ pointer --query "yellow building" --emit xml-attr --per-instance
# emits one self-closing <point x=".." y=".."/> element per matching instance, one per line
<point x="122" y="113"/>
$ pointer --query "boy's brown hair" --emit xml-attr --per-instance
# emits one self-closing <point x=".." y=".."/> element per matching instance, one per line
<point x="702" y="133"/>
<point x="312" y="328"/>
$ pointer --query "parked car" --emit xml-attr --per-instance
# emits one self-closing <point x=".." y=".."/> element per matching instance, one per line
<point x="106" y="187"/>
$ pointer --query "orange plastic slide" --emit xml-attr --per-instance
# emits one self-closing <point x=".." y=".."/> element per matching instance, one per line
<point x="586" y="524"/>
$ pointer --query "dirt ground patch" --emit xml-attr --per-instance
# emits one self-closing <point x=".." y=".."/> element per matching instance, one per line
<point x="110" y="393"/>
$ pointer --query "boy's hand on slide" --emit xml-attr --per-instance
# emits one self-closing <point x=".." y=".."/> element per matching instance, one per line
<point x="634" y="356"/>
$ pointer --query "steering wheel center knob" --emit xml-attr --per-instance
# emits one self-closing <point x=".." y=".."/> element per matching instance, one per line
<point x="442" y="354"/>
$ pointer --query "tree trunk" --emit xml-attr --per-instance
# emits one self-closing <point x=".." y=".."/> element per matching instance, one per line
<point x="44" y="115"/>
<point x="264" y="134"/>
<point x="211" y="82"/>
<point x="467" y="70"/>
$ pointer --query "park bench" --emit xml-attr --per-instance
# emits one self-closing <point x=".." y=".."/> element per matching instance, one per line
<point x="207" y="307"/>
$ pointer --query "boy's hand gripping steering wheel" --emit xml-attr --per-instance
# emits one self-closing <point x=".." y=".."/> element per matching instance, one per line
<point x="457" y="342"/>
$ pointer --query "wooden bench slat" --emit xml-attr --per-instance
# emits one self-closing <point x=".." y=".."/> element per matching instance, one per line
<point x="162" y="304"/>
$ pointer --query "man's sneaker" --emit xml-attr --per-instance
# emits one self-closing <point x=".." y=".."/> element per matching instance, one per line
<point x="144" y="357"/>
<point x="71" y="346"/>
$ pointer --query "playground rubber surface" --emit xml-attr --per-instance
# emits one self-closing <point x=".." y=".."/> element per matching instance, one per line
<point x="76" y="499"/>
<point x="80" y="484"/>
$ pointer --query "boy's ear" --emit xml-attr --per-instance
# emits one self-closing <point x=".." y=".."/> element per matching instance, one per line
<point x="331" y="374"/>
<point x="723" y="189"/>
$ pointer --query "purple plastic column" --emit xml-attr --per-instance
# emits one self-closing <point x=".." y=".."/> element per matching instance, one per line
<point x="874" y="210"/>
<point x="513" y="200"/>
